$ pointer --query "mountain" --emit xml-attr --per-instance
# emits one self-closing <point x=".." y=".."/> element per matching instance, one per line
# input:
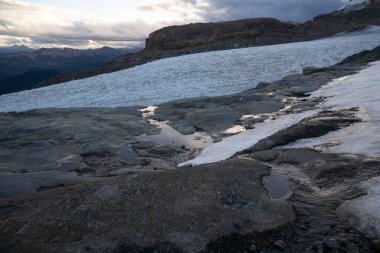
<point x="15" y="49"/>
<point x="25" y="69"/>
<point x="254" y="32"/>
<point x="201" y="37"/>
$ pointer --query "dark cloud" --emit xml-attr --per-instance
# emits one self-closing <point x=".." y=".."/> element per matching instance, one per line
<point x="289" y="10"/>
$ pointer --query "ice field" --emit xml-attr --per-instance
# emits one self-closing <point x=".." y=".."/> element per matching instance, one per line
<point x="204" y="74"/>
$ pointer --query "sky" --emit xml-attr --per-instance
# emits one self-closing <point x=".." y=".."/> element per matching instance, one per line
<point x="126" y="23"/>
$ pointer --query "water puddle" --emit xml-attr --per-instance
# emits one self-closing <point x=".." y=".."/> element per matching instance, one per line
<point x="229" y="146"/>
<point x="277" y="186"/>
<point x="170" y="136"/>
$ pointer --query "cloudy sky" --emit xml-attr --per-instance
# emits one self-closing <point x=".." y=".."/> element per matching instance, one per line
<point x="95" y="23"/>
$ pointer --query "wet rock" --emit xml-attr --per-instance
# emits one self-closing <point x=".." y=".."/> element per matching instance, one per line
<point x="279" y="244"/>
<point x="375" y="244"/>
<point x="144" y="145"/>
<point x="71" y="158"/>
<point x="97" y="148"/>
<point x="215" y="114"/>
<point x="8" y="245"/>
<point x="237" y="223"/>
<point x="130" y="171"/>
<point x="14" y="184"/>
<point x="312" y="70"/>
<point x="215" y="121"/>
<point x="84" y="168"/>
<point x="252" y="248"/>
<point x="128" y="156"/>
<point x="233" y="199"/>
<point x="165" y="152"/>
<point x="185" y="127"/>
<point x="86" y="215"/>
<point x="329" y="244"/>
<point x="178" y="206"/>
<point x="108" y="192"/>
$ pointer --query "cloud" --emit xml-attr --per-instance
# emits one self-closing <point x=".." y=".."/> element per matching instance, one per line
<point x="21" y="19"/>
<point x="286" y="10"/>
<point x="48" y="42"/>
<point x="50" y="25"/>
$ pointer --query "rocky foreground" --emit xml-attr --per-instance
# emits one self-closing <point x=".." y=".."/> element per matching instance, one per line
<point x="106" y="179"/>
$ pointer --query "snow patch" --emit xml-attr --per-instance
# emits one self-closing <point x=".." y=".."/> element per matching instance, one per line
<point x="363" y="213"/>
<point x="360" y="90"/>
<point x="354" y="5"/>
<point x="230" y="146"/>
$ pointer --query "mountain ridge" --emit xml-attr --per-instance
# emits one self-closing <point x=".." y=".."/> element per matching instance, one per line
<point x="23" y="70"/>
<point x="167" y="42"/>
<point x="15" y="49"/>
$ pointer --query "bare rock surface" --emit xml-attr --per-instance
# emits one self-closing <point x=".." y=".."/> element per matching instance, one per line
<point x="89" y="180"/>
<point x="178" y="206"/>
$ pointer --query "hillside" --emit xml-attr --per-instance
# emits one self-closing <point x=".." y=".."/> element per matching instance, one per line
<point x="14" y="49"/>
<point x="22" y="69"/>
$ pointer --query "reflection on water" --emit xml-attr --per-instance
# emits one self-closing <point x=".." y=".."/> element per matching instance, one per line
<point x="277" y="186"/>
<point x="169" y="135"/>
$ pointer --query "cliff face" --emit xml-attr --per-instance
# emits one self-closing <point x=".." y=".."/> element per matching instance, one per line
<point x="256" y="32"/>
<point x="201" y="37"/>
<point x="249" y="32"/>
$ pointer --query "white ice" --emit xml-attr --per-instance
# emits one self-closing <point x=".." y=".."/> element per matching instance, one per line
<point x="361" y="90"/>
<point x="205" y="74"/>
<point x="363" y="213"/>
<point x="230" y="146"/>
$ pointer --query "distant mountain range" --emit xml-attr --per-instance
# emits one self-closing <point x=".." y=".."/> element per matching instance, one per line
<point x="15" y="49"/>
<point x="25" y="68"/>
<point x="185" y="39"/>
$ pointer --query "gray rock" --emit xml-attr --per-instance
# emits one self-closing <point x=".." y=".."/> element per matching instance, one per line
<point x="144" y="145"/>
<point x="237" y="223"/>
<point x="70" y="163"/>
<point x="130" y="171"/>
<point x="14" y="184"/>
<point x="252" y="248"/>
<point x="126" y="155"/>
<point x="97" y="148"/>
<point x="164" y="152"/>
<point x="280" y="244"/>
<point x="329" y="243"/>
<point x="108" y="192"/>
<point x="375" y="244"/>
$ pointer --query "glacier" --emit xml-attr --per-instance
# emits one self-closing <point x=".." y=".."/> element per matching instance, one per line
<point x="203" y="74"/>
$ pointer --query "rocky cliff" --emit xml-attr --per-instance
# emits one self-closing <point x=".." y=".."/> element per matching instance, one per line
<point x="256" y="32"/>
